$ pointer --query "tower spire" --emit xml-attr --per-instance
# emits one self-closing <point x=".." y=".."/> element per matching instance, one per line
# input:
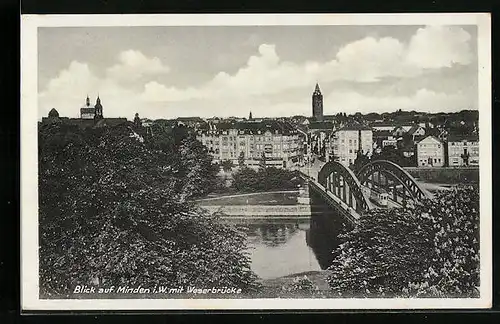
<point x="317" y="87"/>
<point x="88" y="100"/>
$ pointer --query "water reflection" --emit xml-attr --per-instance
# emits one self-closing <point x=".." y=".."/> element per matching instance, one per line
<point x="280" y="247"/>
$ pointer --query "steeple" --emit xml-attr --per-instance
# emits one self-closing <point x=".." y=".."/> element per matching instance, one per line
<point x="88" y="101"/>
<point x="98" y="108"/>
<point x="250" y="115"/>
<point x="317" y="103"/>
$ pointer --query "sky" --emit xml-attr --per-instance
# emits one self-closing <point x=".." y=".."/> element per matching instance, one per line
<point x="168" y="72"/>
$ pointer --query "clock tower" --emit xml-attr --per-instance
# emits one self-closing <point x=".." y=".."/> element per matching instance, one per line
<point x="317" y="104"/>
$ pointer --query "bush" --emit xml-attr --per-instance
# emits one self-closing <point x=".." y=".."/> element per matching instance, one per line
<point x="432" y="251"/>
<point x="264" y="179"/>
<point x="114" y="210"/>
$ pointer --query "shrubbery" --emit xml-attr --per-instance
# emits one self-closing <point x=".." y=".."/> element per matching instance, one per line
<point x="264" y="179"/>
<point x="432" y="251"/>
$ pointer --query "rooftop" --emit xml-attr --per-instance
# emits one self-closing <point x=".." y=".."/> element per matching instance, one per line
<point x="354" y="127"/>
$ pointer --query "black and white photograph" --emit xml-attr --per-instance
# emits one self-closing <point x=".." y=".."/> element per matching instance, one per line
<point x="256" y="161"/>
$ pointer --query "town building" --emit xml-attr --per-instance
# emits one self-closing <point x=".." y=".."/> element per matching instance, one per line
<point x="430" y="152"/>
<point x="348" y="140"/>
<point x="382" y="126"/>
<point x="277" y="143"/>
<point x="401" y="130"/>
<point x="463" y="150"/>
<point x="89" y="117"/>
<point x="89" y="112"/>
<point x="317" y="104"/>
<point x="416" y="132"/>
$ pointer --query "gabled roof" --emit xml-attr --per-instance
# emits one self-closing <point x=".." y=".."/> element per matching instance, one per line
<point x="430" y="137"/>
<point x="413" y="129"/>
<point x="354" y="127"/>
<point x="463" y="137"/>
<point x="87" y="110"/>
<point x="320" y="125"/>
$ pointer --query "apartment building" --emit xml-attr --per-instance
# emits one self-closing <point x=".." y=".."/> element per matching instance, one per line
<point x="275" y="142"/>
<point x="430" y="152"/>
<point x="348" y="140"/>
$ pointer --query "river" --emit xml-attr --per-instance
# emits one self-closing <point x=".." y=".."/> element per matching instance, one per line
<point x="279" y="243"/>
<point x="278" y="247"/>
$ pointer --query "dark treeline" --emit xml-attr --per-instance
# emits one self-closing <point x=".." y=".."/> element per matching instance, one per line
<point x="114" y="210"/>
<point x="264" y="179"/>
<point x="432" y="251"/>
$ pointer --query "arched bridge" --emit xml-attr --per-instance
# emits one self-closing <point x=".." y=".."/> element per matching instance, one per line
<point x="378" y="184"/>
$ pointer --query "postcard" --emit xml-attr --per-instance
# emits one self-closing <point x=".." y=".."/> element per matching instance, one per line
<point x="256" y="162"/>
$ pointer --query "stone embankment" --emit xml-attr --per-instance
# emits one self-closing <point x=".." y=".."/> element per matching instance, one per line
<point x="260" y="210"/>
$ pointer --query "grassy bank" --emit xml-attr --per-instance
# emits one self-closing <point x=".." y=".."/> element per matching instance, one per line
<point x="311" y="284"/>
<point x="258" y="198"/>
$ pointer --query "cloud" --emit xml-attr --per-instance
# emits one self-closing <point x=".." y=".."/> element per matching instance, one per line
<point x="269" y="85"/>
<point x="67" y="93"/>
<point x="366" y="60"/>
<point x="134" y="64"/>
<point x="439" y="46"/>
<point x="422" y="100"/>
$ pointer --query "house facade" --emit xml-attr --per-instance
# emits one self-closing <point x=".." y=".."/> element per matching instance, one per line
<point x="463" y="151"/>
<point x="276" y="143"/>
<point x="430" y="152"/>
<point x="347" y="141"/>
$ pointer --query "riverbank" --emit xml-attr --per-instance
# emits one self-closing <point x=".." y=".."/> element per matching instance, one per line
<point x="299" y="285"/>
<point x="259" y="210"/>
<point x="279" y="197"/>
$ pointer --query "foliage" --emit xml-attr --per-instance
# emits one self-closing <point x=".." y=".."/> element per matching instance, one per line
<point x="303" y="284"/>
<point x="392" y="154"/>
<point x="262" y="162"/>
<point x="360" y="161"/>
<point x="241" y="159"/>
<point x="114" y="210"/>
<point x="263" y="179"/>
<point x="227" y="165"/>
<point x="432" y="251"/>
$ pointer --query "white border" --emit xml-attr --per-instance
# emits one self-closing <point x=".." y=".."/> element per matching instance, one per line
<point x="29" y="148"/>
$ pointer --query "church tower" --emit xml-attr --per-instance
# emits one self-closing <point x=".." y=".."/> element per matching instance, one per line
<point x="317" y="104"/>
<point x="250" y="116"/>
<point x="98" y="109"/>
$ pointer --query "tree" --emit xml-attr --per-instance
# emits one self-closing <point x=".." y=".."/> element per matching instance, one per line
<point x="113" y="210"/>
<point x="262" y="162"/>
<point x="360" y="161"/>
<point x="465" y="157"/>
<point x="241" y="159"/>
<point x="432" y="250"/>
<point x="227" y="165"/>
<point x="137" y="120"/>
<point x="270" y="178"/>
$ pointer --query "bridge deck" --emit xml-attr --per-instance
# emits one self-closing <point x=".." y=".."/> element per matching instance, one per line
<point x="330" y="198"/>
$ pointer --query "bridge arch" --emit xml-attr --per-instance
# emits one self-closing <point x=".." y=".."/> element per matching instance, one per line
<point x="395" y="172"/>
<point x="334" y="176"/>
